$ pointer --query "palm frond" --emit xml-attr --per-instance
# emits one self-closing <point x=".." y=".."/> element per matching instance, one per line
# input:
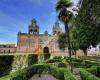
<point x="65" y="16"/>
<point x="63" y="3"/>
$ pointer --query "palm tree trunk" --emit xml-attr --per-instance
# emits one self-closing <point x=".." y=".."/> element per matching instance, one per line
<point x="85" y="53"/>
<point x="69" y="45"/>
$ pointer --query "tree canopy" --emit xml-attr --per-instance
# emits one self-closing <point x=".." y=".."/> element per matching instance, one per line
<point x="62" y="42"/>
<point x="87" y="31"/>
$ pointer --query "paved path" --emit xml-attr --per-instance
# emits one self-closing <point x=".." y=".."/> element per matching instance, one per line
<point x="76" y="73"/>
<point x="43" y="77"/>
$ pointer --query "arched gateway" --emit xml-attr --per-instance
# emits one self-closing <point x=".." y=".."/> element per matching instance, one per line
<point x="46" y="52"/>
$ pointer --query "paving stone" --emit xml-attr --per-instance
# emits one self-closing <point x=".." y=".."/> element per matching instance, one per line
<point x="43" y="77"/>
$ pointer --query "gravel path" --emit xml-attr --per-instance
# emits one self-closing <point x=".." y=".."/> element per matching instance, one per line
<point x="76" y="73"/>
<point x="43" y="77"/>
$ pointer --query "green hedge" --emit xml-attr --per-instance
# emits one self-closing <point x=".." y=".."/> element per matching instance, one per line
<point x="58" y="64"/>
<point x="32" y="59"/>
<point x="85" y="75"/>
<point x="25" y="74"/>
<point x="61" y="64"/>
<point x="21" y="61"/>
<point x="14" y="62"/>
<point x="58" y="57"/>
<point x="61" y="73"/>
<point x="53" y="60"/>
<point x="95" y="70"/>
<point x="91" y="63"/>
<point x="5" y="64"/>
<point x="82" y="63"/>
<point x="46" y="56"/>
<point x="77" y="62"/>
<point x="68" y="76"/>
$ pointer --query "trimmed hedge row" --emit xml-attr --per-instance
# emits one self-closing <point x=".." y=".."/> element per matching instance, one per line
<point x="56" y="61"/>
<point x="25" y="74"/>
<point x="68" y="76"/>
<point x="5" y="64"/>
<point x="58" y="57"/>
<point x="14" y="62"/>
<point x="32" y="59"/>
<point x="95" y="70"/>
<point x="59" y="64"/>
<point x="74" y="60"/>
<point x="61" y="74"/>
<point x="82" y="63"/>
<point x="85" y="75"/>
<point x="53" y="60"/>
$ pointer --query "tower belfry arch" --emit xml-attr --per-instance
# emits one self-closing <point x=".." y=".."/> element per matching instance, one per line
<point x="33" y="28"/>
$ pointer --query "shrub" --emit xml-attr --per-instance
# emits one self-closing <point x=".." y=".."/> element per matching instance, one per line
<point x="74" y="59"/>
<point x="58" y="64"/>
<point x="53" y="60"/>
<point x="98" y="74"/>
<point x="46" y="56"/>
<point x="61" y="73"/>
<point x="57" y="57"/>
<point x="68" y="76"/>
<point x="82" y="63"/>
<point x="61" y="64"/>
<point x="78" y="65"/>
<point x="95" y="70"/>
<point x="58" y="73"/>
<point x="22" y="61"/>
<point x="32" y="59"/>
<point x="88" y="62"/>
<point x="77" y="60"/>
<point x="25" y="74"/>
<point x="85" y="75"/>
<point x="5" y="64"/>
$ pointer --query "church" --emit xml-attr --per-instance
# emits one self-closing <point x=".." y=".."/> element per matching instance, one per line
<point x="34" y="42"/>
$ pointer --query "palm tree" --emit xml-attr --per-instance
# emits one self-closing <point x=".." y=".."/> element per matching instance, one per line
<point x="64" y="15"/>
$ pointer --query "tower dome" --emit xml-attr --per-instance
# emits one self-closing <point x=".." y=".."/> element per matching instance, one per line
<point x="46" y="33"/>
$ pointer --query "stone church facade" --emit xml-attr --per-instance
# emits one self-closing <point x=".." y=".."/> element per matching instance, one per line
<point x="33" y="41"/>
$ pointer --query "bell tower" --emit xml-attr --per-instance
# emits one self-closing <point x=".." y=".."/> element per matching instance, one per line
<point x="56" y="29"/>
<point x="33" y="28"/>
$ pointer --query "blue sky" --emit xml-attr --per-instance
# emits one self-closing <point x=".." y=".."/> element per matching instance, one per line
<point x="16" y="15"/>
